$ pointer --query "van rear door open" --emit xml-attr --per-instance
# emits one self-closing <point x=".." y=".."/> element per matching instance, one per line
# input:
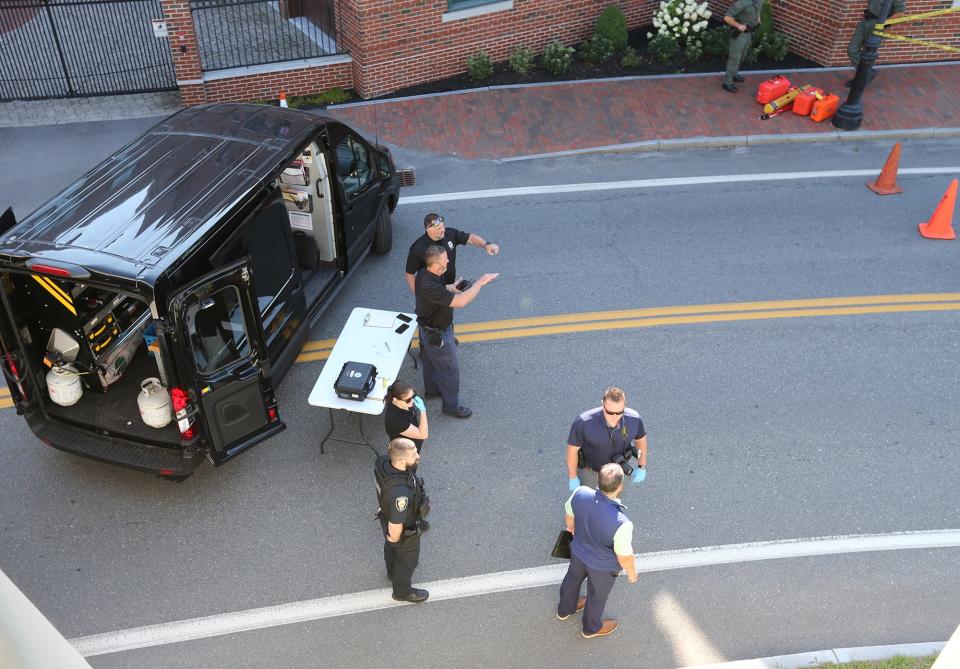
<point x="217" y="327"/>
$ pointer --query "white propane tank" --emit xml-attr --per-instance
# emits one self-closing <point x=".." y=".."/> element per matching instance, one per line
<point x="154" y="402"/>
<point x="63" y="385"/>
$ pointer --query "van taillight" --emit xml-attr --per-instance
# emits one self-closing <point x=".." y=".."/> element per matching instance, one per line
<point x="50" y="269"/>
<point x="272" y="414"/>
<point x="182" y="410"/>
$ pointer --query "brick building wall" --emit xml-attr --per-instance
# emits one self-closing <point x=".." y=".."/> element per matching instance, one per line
<point x="304" y="81"/>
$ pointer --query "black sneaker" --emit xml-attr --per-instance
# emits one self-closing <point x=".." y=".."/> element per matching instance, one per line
<point x="415" y="596"/>
<point x="456" y="341"/>
<point x="739" y="79"/>
<point x="729" y="88"/>
<point x="459" y="412"/>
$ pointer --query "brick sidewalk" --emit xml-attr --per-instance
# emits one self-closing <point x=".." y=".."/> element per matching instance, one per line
<point x="509" y="122"/>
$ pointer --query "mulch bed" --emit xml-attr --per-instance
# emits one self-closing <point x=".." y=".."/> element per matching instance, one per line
<point x="504" y="76"/>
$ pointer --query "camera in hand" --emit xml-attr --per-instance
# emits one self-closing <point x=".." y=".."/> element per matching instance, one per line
<point x="623" y="459"/>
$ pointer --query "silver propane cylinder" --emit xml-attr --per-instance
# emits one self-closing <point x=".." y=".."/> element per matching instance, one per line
<point x="156" y="409"/>
<point x="63" y="385"/>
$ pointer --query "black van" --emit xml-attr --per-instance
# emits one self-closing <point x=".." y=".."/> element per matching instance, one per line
<point x="200" y="255"/>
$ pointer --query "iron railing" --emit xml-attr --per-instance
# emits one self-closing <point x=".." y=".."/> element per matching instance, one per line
<point x="69" y="48"/>
<point x="239" y="33"/>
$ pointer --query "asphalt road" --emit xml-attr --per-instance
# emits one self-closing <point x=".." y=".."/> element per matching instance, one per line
<point x="759" y="430"/>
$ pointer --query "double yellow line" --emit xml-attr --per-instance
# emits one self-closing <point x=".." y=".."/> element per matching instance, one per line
<point x="626" y="319"/>
<point x="684" y="315"/>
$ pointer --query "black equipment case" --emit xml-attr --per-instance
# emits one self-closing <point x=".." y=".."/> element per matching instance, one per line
<point x="355" y="381"/>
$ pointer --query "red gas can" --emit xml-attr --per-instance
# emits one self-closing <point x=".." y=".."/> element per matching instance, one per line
<point x="804" y="102"/>
<point x="771" y="89"/>
<point x="825" y="108"/>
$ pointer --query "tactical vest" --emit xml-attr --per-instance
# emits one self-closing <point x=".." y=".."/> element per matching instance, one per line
<point x="387" y="481"/>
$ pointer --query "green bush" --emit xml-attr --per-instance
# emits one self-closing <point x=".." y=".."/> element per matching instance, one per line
<point x="522" y="61"/>
<point x="332" y="96"/>
<point x="775" y="46"/>
<point x="716" y="42"/>
<point x="751" y="55"/>
<point x="612" y="24"/>
<point x="596" y="50"/>
<point x="766" y="23"/>
<point x="630" y="58"/>
<point x="693" y="51"/>
<point x="663" y="48"/>
<point x="557" y="58"/>
<point x="479" y="66"/>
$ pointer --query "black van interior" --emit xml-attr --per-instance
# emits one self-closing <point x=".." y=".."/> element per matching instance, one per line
<point x="104" y="338"/>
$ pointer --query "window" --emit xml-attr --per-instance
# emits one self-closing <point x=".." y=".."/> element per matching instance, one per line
<point x="218" y="331"/>
<point x="456" y="5"/>
<point x="353" y="165"/>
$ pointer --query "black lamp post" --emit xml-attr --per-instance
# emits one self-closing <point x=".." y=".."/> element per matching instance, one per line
<point x="850" y="114"/>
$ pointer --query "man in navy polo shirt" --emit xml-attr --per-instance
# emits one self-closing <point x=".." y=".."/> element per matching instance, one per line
<point x="605" y="434"/>
<point x="601" y="547"/>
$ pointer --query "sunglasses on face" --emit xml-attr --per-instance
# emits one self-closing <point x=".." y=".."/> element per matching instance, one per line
<point x="613" y="413"/>
<point x="408" y="400"/>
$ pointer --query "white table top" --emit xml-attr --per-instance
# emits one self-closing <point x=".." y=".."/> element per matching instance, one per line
<point x="378" y="346"/>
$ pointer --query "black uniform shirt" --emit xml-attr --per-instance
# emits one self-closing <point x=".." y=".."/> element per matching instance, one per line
<point x="397" y="420"/>
<point x="598" y="441"/>
<point x="433" y="301"/>
<point x="398" y="505"/>
<point x="451" y="239"/>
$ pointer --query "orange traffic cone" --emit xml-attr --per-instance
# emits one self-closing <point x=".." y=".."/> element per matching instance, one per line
<point x="886" y="183"/>
<point x="283" y="99"/>
<point x="939" y="226"/>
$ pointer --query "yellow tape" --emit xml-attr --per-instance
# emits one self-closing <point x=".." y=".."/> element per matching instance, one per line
<point x="913" y="40"/>
<point x="54" y="290"/>
<point x="879" y="29"/>
<point x="917" y="17"/>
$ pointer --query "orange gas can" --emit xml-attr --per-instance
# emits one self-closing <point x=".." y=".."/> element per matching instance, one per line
<point x="771" y="89"/>
<point x="825" y="108"/>
<point x="804" y="102"/>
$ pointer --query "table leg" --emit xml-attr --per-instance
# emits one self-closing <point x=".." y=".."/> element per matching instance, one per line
<point x="363" y="436"/>
<point x="329" y="432"/>
<point x="413" y="357"/>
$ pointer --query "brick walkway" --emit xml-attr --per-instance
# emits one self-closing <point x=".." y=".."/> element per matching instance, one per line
<point x="506" y="122"/>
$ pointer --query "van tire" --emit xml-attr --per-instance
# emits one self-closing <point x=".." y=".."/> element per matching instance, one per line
<point x="383" y="233"/>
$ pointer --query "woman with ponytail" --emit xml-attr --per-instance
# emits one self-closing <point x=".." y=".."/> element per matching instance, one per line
<point x="406" y="414"/>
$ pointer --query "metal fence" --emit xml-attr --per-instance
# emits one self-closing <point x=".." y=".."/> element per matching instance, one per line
<point x="238" y="33"/>
<point x="68" y="48"/>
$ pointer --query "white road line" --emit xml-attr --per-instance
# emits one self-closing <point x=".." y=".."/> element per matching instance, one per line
<point x="660" y="183"/>
<point x="483" y="584"/>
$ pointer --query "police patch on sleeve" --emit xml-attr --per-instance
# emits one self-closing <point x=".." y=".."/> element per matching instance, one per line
<point x="402" y="503"/>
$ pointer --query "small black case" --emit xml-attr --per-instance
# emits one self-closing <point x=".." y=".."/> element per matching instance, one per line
<point x="355" y="381"/>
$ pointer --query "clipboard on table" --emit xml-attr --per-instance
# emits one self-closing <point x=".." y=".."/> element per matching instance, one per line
<point x="561" y="549"/>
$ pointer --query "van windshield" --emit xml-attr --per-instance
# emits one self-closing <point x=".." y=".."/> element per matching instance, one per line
<point x="218" y="331"/>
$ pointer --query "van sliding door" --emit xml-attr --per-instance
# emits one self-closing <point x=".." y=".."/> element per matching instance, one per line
<point x="221" y="320"/>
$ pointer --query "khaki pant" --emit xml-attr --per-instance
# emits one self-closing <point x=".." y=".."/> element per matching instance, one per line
<point x="860" y="34"/>
<point x="738" y="49"/>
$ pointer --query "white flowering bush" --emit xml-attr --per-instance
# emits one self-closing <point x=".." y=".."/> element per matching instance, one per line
<point x="683" y="20"/>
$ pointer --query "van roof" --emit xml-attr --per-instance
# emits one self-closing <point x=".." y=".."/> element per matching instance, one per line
<point x="139" y="210"/>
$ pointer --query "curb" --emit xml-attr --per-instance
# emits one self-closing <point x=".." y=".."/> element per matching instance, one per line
<point x="733" y="141"/>
<point x="834" y="655"/>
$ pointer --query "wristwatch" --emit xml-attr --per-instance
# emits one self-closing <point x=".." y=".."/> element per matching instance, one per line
<point x="486" y="244"/>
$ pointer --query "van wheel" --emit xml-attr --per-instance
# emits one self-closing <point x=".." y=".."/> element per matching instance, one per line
<point x="383" y="234"/>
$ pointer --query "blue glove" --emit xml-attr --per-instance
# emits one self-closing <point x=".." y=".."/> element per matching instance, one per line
<point x="418" y="402"/>
<point x="573" y="483"/>
<point x="639" y="475"/>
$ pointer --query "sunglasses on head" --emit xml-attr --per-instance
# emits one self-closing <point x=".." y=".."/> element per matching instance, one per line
<point x="437" y="222"/>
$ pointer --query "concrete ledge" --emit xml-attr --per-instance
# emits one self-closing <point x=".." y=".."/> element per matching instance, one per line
<point x="285" y="66"/>
<point x="793" y="138"/>
<point x="732" y="141"/>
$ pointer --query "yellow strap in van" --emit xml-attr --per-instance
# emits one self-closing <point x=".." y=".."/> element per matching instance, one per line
<point x="58" y="293"/>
